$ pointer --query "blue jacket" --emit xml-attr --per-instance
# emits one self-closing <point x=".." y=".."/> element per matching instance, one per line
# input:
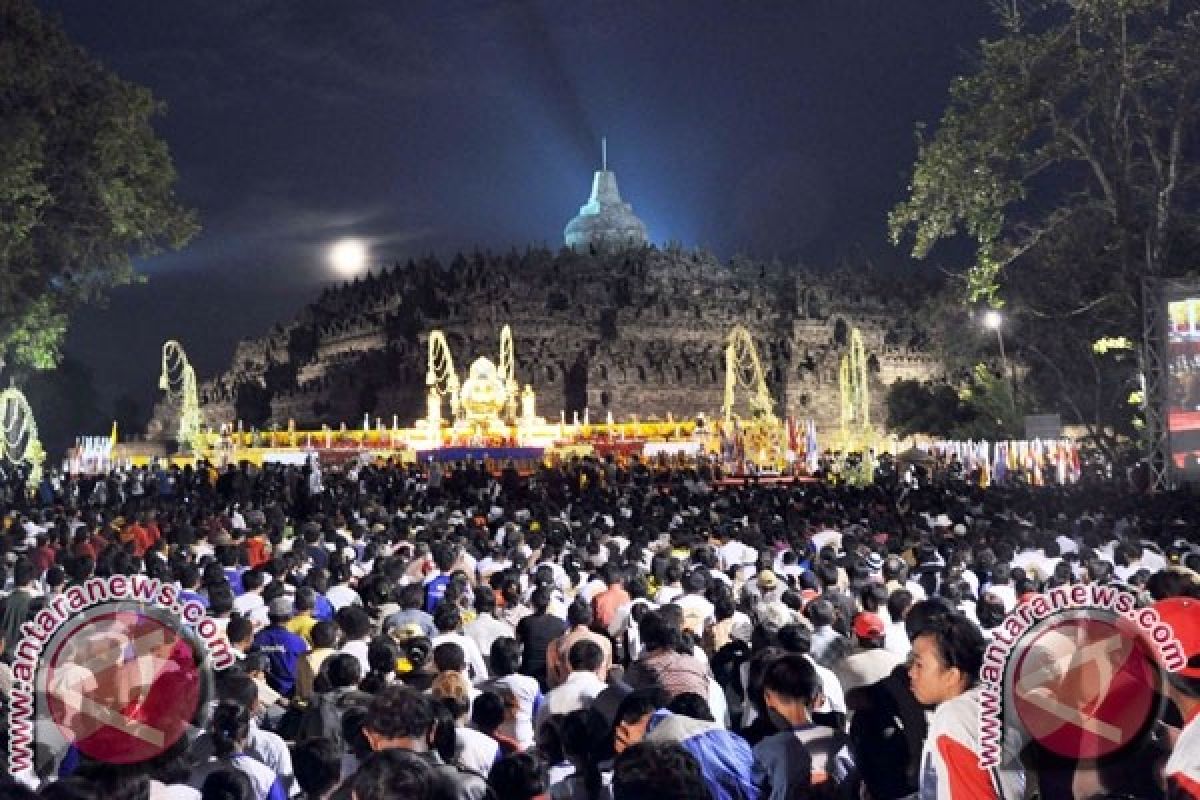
<point x="725" y="758"/>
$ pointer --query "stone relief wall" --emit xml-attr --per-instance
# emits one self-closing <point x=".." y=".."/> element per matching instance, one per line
<point x="635" y="332"/>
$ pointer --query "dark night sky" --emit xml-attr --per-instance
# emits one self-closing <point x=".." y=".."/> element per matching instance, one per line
<point x="770" y="128"/>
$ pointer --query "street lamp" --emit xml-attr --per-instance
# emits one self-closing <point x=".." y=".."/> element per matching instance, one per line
<point x="994" y="320"/>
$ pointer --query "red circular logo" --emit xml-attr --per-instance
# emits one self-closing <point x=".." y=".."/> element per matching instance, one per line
<point x="122" y="685"/>
<point x="1085" y="687"/>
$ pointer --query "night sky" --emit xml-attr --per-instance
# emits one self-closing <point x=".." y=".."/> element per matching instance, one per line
<point x="768" y="128"/>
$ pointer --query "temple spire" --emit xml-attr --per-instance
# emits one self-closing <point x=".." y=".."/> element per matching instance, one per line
<point x="605" y="221"/>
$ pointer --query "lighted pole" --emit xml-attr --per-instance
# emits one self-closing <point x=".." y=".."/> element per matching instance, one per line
<point x="994" y="320"/>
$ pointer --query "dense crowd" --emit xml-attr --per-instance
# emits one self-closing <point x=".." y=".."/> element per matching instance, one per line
<point x="599" y="630"/>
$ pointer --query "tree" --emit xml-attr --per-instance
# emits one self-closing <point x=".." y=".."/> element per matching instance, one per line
<point x="86" y="186"/>
<point x="1070" y="160"/>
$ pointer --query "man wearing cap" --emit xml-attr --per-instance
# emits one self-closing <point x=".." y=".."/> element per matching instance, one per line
<point x="870" y="661"/>
<point x="282" y="647"/>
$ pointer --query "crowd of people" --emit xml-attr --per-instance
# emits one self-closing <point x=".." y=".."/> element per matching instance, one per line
<point x="600" y="629"/>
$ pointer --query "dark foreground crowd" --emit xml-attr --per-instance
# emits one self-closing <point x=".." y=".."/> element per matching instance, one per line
<point x="595" y="631"/>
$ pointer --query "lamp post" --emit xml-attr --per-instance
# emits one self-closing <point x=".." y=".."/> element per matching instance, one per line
<point x="994" y="320"/>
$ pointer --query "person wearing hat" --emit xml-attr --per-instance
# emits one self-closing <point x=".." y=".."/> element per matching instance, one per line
<point x="282" y="647"/>
<point x="766" y="588"/>
<point x="870" y="661"/>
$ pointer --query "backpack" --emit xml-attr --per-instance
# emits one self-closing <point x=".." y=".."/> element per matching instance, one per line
<point x="885" y="738"/>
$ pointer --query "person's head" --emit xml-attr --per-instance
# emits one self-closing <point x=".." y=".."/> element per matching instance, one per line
<point x="947" y="656"/>
<point x="236" y="687"/>
<point x="253" y="580"/>
<point x="657" y="632"/>
<point x="24" y="572"/>
<point x="820" y="613"/>
<point x="520" y="776"/>
<point x="488" y="712"/>
<point x="411" y="597"/>
<point x="585" y="656"/>
<point x="220" y="599"/>
<point x="229" y="727"/>
<point x="323" y="635"/>
<point x="240" y="632"/>
<point x="449" y="656"/>
<point x="505" y="656"/>
<point x="306" y="600"/>
<point x="921" y="614"/>
<point x="658" y="771"/>
<point x="485" y="602"/>
<point x="317" y="764"/>
<point x="447" y="618"/>
<point x="392" y="773"/>
<point x="869" y="630"/>
<point x="227" y="783"/>
<point x="579" y="613"/>
<point x="540" y="599"/>
<point x="690" y="704"/>
<point x="400" y="717"/>
<point x="791" y="688"/>
<point x="898" y="603"/>
<point x="633" y="716"/>
<point x="453" y="691"/>
<point x="342" y="670"/>
<point x="354" y="622"/>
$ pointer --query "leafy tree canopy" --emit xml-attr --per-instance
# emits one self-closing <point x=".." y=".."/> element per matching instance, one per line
<point x="86" y="186"/>
<point x="1070" y="160"/>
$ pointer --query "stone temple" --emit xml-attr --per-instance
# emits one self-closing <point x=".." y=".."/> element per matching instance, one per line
<point x="607" y="323"/>
<point x="605" y="222"/>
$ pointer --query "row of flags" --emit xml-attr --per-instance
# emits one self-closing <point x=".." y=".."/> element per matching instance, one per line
<point x="92" y="454"/>
<point x="1043" y="461"/>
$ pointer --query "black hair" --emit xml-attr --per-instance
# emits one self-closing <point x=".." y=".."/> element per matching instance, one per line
<point x="342" y="670"/>
<point x="898" y="603"/>
<point x="234" y="686"/>
<point x="793" y="676"/>
<point x="520" y="776"/>
<point x="449" y="656"/>
<point x="447" y="617"/>
<point x="658" y="771"/>
<point x="505" y="656"/>
<point x="579" y="613"/>
<point x="690" y="704"/>
<point x="227" y="783"/>
<point x="239" y="629"/>
<point x="487" y="712"/>
<point x="323" y="634"/>
<point x="959" y="643"/>
<point x="317" y="764"/>
<point x="585" y="656"/>
<point x="395" y="773"/>
<point x="657" y="632"/>
<point x="637" y="704"/>
<point x="398" y="711"/>
<point x="229" y="726"/>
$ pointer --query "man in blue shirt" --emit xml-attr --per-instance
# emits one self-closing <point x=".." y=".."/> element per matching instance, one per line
<point x="282" y="648"/>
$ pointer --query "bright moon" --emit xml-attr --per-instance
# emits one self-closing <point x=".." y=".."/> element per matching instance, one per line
<point x="348" y="257"/>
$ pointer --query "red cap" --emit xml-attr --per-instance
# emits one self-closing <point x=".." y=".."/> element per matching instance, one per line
<point x="1183" y="615"/>
<point x="868" y="625"/>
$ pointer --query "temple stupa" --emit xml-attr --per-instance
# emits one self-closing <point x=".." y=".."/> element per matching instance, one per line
<point x="605" y="222"/>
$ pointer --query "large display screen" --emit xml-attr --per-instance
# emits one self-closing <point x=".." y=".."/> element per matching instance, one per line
<point x="1183" y="383"/>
